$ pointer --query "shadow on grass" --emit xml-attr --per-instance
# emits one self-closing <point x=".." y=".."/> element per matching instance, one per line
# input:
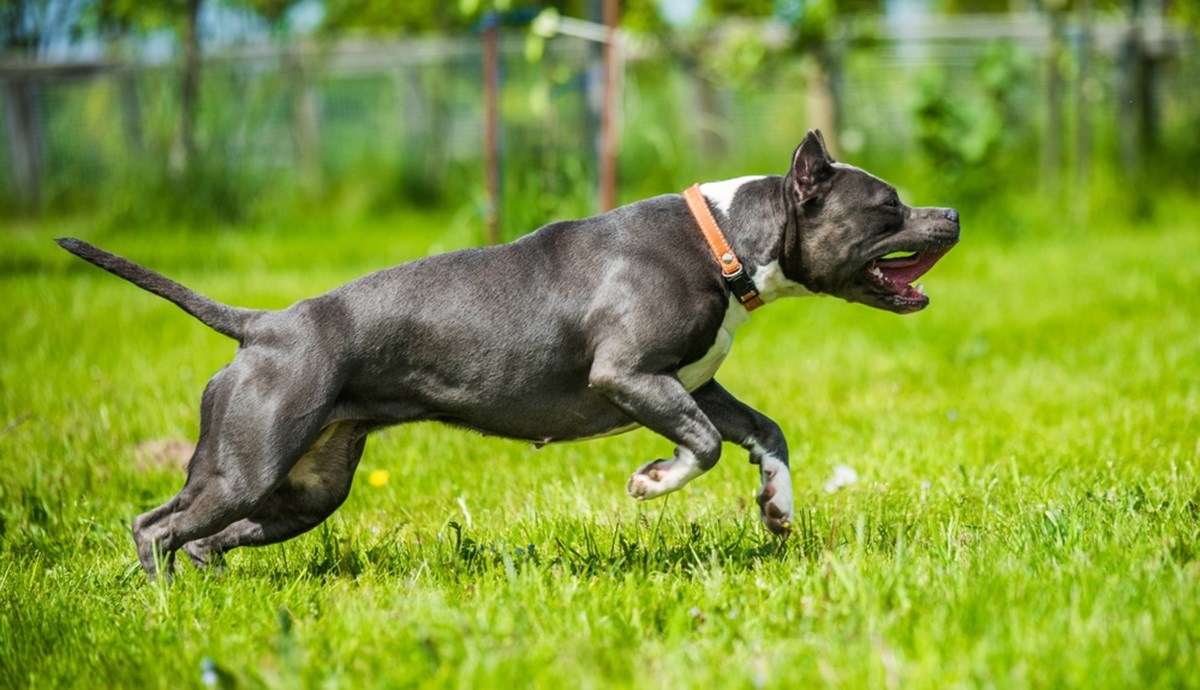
<point x="569" y="547"/>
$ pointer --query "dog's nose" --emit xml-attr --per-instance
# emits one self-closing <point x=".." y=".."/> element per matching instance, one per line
<point x="951" y="215"/>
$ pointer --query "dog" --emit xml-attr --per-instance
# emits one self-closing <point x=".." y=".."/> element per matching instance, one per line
<point x="584" y="328"/>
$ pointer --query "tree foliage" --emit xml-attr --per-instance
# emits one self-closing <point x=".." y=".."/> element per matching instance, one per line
<point x="28" y="26"/>
<point x="389" y="16"/>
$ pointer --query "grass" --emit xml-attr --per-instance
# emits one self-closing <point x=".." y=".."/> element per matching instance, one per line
<point x="1027" y="513"/>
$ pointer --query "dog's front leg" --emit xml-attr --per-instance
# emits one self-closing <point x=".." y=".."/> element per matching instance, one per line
<point x="659" y="402"/>
<point x="741" y="424"/>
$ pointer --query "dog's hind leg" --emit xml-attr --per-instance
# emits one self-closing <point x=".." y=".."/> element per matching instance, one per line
<point x="256" y="421"/>
<point x="312" y="490"/>
<point x="741" y="424"/>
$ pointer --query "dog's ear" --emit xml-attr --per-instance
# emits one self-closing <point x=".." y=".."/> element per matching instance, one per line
<point x="824" y="147"/>
<point x="812" y="167"/>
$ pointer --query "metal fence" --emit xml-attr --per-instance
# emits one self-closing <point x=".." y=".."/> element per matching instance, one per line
<point x="313" y="116"/>
<point x="321" y="116"/>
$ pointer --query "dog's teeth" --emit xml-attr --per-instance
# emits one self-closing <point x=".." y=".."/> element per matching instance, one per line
<point x="876" y="272"/>
<point x="920" y="287"/>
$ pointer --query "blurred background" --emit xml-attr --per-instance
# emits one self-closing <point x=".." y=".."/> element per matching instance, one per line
<point x="1035" y="114"/>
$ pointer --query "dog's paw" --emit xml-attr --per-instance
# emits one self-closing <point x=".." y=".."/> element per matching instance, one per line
<point x="203" y="556"/>
<point x="775" y="498"/>
<point x="648" y="481"/>
<point x="775" y="515"/>
<point x="663" y="476"/>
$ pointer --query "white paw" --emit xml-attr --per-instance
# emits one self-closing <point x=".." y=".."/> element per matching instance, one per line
<point x="663" y="476"/>
<point x="775" y="499"/>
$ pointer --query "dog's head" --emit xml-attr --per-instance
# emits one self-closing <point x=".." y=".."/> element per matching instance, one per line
<point x="850" y="236"/>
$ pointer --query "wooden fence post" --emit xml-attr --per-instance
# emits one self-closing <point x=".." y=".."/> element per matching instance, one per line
<point x="491" y="123"/>
<point x="608" y="121"/>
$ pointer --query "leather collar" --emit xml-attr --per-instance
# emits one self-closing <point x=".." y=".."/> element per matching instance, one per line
<point x="731" y="269"/>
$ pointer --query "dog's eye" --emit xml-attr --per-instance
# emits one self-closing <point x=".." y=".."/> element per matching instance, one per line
<point x="894" y="202"/>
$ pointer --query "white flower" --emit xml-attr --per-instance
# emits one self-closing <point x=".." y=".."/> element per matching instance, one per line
<point x="843" y="476"/>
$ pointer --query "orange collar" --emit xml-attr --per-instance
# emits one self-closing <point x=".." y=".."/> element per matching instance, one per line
<point x="739" y="283"/>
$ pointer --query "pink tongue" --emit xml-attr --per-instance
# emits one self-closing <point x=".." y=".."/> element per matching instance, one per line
<point x="906" y="270"/>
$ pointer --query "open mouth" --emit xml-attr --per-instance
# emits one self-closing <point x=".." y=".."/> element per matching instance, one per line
<point x="896" y="272"/>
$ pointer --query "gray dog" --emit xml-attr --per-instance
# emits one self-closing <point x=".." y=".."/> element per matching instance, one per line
<point x="581" y="329"/>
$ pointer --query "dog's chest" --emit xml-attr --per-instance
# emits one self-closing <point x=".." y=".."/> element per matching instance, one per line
<point x="702" y="370"/>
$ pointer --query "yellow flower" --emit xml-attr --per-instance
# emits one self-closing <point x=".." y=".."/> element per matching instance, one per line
<point x="377" y="477"/>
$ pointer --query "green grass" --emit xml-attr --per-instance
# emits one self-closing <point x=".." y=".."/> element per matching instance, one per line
<point x="1027" y="513"/>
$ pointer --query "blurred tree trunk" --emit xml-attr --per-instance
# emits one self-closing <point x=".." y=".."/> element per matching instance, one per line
<point x="1127" y="74"/>
<point x="184" y="147"/>
<point x="1052" y="144"/>
<point x="306" y="126"/>
<point x="25" y="132"/>
<point x="1147" y="78"/>
<point x="1083" y="99"/>
<point x="21" y="99"/>
<point x="711" y="115"/>
<point x="131" y="110"/>
<point x="1137" y="89"/>
<point x="126" y="77"/>
<point x="415" y="115"/>
<point x="436" y="145"/>
<point x="821" y="95"/>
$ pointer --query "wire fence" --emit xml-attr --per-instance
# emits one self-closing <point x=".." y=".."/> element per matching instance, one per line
<point x="404" y="119"/>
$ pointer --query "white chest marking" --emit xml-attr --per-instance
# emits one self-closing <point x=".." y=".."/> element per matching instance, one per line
<point x="702" y="370"/>
<point x="721" y="193"/>
<point x="772" y="284"/>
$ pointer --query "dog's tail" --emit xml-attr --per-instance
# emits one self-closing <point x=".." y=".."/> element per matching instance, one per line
<point x="222" y="318"/>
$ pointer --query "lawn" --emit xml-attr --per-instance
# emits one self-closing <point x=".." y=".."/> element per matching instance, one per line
<point x="1027" y="510"/>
